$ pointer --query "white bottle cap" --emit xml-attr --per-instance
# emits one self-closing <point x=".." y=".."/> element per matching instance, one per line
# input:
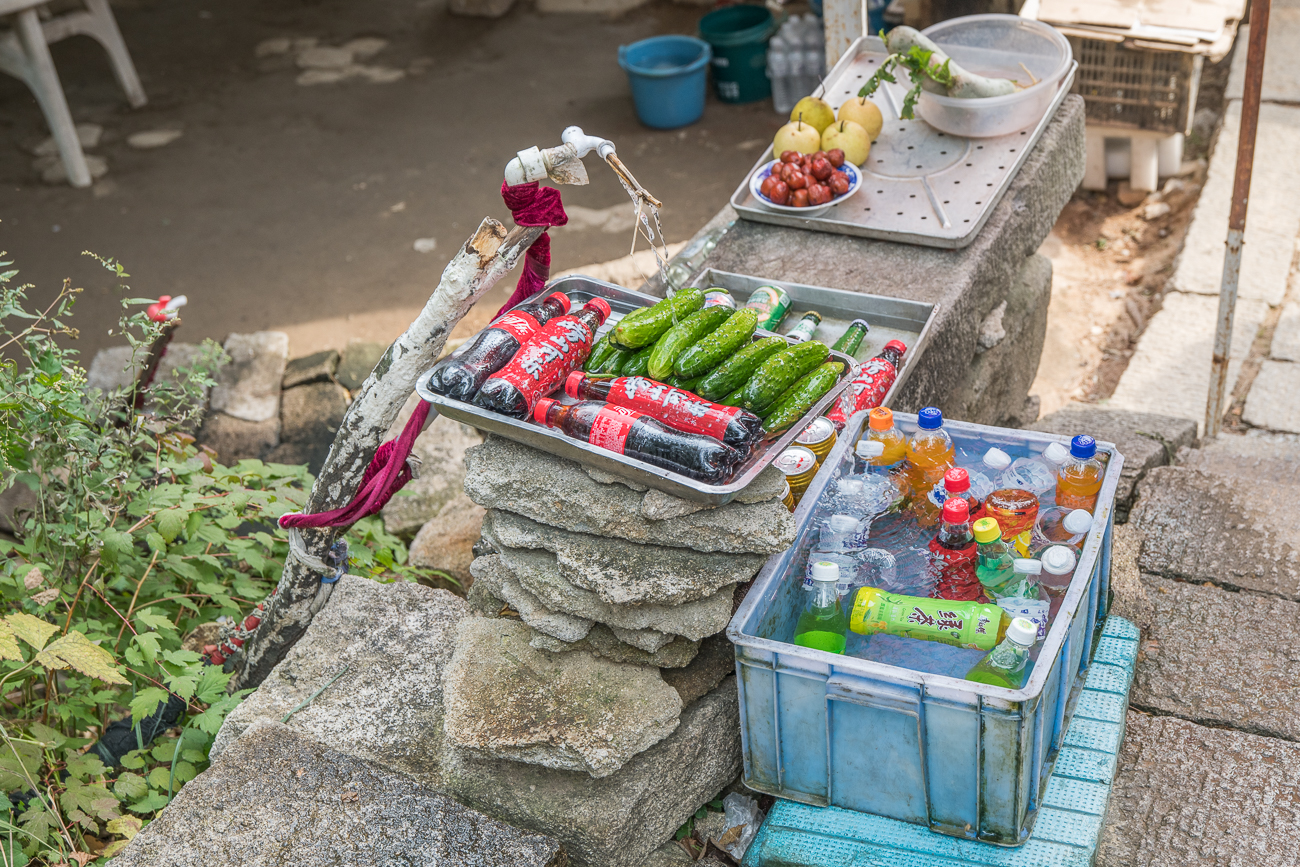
<point x="997" y="459"/>
<point x="868" y="449"/>
<point x="1077" y="522"/>
<point x="825" y="570"/>
<point x="850" y="487"/>
<point x="1023" y="632"/>
<point x="1026" y="566"/>
<point x="843" y="523"/>
<point x="1058" y="560"/>
<point x="1056" y="453"/>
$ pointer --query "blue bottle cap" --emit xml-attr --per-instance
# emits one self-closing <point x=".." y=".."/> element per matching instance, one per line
<point x="1083" y="446"/>
<point x="930" y="418"/>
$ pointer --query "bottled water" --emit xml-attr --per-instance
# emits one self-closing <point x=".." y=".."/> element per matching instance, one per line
<point x="1036" y="475"/>
<point x="984" y="478"/>
<point x="1008" y="665"/>
<point x="778" y="71"/>
<point x="842" y="534"/>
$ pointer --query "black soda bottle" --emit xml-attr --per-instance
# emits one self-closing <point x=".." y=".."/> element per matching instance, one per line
<point x="461" y="377"/>
<point x="631" y="433"/>
<point x="541" y="364"/>
<point x="674" y="407"/>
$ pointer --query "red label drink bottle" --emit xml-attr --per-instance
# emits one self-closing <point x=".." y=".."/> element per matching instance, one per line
<point x="460" y="377"/>
<point x="871" y="384"/>
<point x="636" y="435"/>
<point x="954" y="556"/>
<point x="541" y="364"/>
<point x="676" y="408"/>
<point x="956" y="483"/>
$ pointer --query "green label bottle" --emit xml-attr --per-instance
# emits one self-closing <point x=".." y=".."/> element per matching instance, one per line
<point x="822" y="624"/>
<point x="851" y="339"/>
<point x="1008" y="665"/>
<point x="963" y="624"/>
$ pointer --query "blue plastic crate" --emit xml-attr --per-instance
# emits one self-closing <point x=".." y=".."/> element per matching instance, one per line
<point x="1069" y="821"/>
<point x="920" y="746"/>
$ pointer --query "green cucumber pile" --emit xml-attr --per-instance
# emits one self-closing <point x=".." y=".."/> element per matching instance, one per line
<point x="710" y="351"/>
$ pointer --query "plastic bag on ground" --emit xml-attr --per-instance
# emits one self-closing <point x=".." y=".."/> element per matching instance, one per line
<point x="743" y="818"/>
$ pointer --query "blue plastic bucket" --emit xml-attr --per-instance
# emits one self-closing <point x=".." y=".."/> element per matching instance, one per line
<point x="668" y="76"/>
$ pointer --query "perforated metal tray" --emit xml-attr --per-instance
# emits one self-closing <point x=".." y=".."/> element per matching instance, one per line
<point x="623" y="301"/>
<point x="921" y="186"/>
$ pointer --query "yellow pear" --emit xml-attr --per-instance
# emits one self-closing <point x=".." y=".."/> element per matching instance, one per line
<point x="849" y="137"/>
<point x="796" y="136"/>
<point x="864" y="113"/>
<point x="814" y="111"/>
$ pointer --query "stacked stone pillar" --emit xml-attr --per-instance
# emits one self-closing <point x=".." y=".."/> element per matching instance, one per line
<point x="598" y="679"/>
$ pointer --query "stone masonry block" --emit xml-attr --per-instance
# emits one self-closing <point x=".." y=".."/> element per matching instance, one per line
<point x="249" y="386"/>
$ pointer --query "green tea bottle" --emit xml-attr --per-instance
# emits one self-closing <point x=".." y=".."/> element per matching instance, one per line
<point x="979" y="626"/>
<point x="1008" y="665"/>
<point x="822" y="625"/>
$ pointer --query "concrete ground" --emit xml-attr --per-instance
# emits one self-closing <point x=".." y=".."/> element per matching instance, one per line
<point x="298" y="207"/>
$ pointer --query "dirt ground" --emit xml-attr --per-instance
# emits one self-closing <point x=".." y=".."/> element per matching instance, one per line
<point x="299" y="207"/>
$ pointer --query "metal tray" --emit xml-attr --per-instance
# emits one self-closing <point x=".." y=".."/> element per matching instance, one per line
<point x="622" y="301"/>
<point x="888" y="318"/>
<point x="921" y="186"/>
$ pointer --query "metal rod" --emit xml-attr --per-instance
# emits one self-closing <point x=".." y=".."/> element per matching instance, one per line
<point x="1214" y="408"/>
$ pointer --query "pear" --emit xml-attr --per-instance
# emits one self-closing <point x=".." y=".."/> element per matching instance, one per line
<point x="849" y="137"/>
<point x="864" y="113"/>
<point x="796" y="136"/>
<point x="814" y="111"/>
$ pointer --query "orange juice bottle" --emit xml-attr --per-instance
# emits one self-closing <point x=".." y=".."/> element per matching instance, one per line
<point x="1079" y="479"/>
<point x="930" y="453"/>
<point x="880" y="428"/>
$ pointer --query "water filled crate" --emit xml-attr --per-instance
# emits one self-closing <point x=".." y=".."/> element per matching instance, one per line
<point x="896" y="730"/>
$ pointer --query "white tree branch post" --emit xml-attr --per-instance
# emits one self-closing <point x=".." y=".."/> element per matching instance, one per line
<point x="484" y="260"/>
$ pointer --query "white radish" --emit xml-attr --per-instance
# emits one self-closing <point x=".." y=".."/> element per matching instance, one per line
<point x="964" y="84"/>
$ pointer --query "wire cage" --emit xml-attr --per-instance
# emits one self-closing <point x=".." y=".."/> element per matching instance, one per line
<point x="1141" y="88"/>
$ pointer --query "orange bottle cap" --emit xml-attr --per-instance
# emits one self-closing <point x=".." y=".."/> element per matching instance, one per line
<point x="882" y="418"/>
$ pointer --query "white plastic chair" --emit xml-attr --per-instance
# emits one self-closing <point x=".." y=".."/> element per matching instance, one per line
<point x="25" y="54"/>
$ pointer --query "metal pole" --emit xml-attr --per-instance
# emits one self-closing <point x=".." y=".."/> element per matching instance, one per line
<point x="1214" y="408"/>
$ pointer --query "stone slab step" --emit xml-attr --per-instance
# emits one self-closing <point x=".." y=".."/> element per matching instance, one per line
<point x="1065" y="832"/>
<point x="1256" y="457"/>
<point x="1186" y="795"/>
<point x="1146" y="440"/>
<point x="1221" y="658"/>
<point x="1201" y="526"/>
<point x="277" y="797"/>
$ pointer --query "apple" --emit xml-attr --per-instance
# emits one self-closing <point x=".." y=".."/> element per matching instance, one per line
<point x="814" y="111"/>
<point x="864" y="113"/>
<point x="797" y="136"/>
<point x="850" y="138"/>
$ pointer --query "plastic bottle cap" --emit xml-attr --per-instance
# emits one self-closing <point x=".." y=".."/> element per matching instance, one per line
<point x="882" y="418"/>
<point x="842" y="523"/>
<point x="956" y="480"/>
<point x="929" y="418"/>
<point x="1055" y="453"/>
<point x="601" y="306"/>
<point x="869" y="449"/>
<point x="955" y="511"/>
<point x="1025" y="566"/>
<point x="572" y="381"/>
<point x="897" y="345"/>
<point x="987" y="530"/>
<point x="539" y="411"/>
<point x="1083" y="447"/>
<point x="1057" y="560"/>
<point x="562" y="298"/>
<point x="997" y="459"/>
<point x="1077" y="522"/>
<point x="825" y="570"/>
<point x="1023" y="632"/>
<point x="851" y="487"/>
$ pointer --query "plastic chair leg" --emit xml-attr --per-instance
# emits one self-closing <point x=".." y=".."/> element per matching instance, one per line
<point x="104" y="29"/>
<point x="43" y="79"/>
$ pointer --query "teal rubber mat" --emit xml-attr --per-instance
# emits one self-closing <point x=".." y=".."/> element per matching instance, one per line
<point x="1069" y="820"/>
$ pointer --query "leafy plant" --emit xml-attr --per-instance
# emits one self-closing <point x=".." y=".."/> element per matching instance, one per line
<point x="916" y="61"/>
<point x="135" y="537"/>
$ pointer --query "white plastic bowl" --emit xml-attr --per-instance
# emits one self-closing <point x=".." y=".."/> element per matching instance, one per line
<point x="762" y="172"/>
<point x="995" y="46"/>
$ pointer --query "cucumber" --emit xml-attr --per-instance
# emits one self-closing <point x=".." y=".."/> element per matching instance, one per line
<point x="780" y="372"/>
<point x="643" y="327"/>
<point x="682" y="335"/>
<point x="800" y="397"/>
<point x="708" y="353"/>
<point x="732" y="399"/>
<point x="733" y="372"/>
<point x="615" y="360"/>
<point x="599" y="353"/>
<point x="638" y="364"/>
<point x="684" y="384"/>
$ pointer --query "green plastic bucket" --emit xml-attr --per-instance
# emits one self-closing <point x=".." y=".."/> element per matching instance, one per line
<point x="739" y="37"/>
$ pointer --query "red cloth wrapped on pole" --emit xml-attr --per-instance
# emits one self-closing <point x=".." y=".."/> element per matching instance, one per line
<point x="533" y="205"/>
